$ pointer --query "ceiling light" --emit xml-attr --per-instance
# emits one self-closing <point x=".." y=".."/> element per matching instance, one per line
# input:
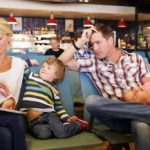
<point x="51" y="21"/>
<point x="147" y="26"/>
<point x="84" y="1"/>
<point x="11" y="19"/>
<point x="88" y="22"/>
<point x="122" y="23"/>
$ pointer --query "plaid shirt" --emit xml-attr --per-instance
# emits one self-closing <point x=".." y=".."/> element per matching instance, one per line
<point x="112" y="78"/>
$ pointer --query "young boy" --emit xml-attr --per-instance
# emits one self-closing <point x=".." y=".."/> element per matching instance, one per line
<point x="45" y="113"/>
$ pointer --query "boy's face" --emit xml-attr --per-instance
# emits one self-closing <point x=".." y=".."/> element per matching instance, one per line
<point x="48" y="72"/>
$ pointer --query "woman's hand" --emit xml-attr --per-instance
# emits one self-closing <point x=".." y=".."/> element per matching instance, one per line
<point x="4" y="90"/>
<point x="8" y="104"/>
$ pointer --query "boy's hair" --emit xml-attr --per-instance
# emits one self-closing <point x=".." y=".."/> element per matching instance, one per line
<point x="106" y="30"/>
<point x="4" y="27"/>
<point x="60" y="68"/>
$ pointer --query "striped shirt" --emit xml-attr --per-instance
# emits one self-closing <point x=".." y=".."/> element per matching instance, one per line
<point x="41" y="96"/>
<point x="111" y="79"/>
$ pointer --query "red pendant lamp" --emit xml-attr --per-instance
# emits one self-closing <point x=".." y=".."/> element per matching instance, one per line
<point x="147" y="26"/>
<point x="11" y="19"/>
<point x="51" y="21"/>
<point x="122" y="23"/>
<point x="88" y="22"/>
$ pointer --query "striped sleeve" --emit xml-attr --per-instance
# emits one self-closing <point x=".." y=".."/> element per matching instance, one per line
<point x="60" y="110"/>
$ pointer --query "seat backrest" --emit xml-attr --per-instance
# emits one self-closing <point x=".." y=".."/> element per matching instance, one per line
<point x="64" y="86"/>
<point x="87" y="88"/>
<point x="75" y="83"/>
<point x="147" y="63"/>
<point x="142" y="53"/>
<point x="66" y="94"/>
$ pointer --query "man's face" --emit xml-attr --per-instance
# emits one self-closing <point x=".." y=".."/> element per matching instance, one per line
<point x="54" y="44"/>
<point x="101" y="46"/>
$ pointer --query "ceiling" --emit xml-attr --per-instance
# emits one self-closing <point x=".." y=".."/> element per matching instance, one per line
<point x="101" y="2"/>
<point x="144" y="4"/>
<point x="143" y="7"/>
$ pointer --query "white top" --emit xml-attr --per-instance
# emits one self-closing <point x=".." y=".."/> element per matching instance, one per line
<point x="13" y="77"/>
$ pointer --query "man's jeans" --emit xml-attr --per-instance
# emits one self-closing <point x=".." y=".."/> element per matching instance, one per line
<point x="124" y="117"/>
<point x="49" y="125"/>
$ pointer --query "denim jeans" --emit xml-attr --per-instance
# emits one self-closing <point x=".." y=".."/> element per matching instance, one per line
<point x="12" y="131"/>
<point x="49" y="125"/>
<point x="124" y="117"/>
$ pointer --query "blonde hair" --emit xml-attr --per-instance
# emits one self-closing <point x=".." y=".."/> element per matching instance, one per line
<point x="4" y="27"/>
<point x="60" y="68"/>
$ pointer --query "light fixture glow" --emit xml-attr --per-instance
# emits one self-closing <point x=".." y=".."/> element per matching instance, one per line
<point x="51" y="21"/>
<point x="88" y="22"/>
<point x="147" y="26"/>
<point x="122" y="23"/>
<point x="11" y="19"/>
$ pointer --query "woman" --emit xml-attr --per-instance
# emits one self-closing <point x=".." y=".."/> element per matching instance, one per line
<point x="12" y="133"/>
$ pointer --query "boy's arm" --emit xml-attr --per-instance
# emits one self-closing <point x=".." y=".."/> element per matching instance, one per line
<point x="31" y="62"/>
<point x="60" y="110"/>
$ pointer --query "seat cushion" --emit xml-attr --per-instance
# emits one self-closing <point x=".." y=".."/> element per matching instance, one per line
<point x="112" y="136"/>
<point x="84" y="139"/>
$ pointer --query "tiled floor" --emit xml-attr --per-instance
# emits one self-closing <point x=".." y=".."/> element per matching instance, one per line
<point x="104" y="146"/>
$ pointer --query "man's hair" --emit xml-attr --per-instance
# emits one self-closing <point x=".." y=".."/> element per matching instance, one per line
<point x="60" y="68"/>
<point x="106" y="30"/>
<point x="54" y="38"/>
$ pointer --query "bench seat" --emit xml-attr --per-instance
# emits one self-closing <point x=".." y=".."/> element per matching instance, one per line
<point x="81" y="140"/>
<point x="84" y="139"/>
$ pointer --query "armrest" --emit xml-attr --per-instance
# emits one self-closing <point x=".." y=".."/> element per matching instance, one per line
<point x="90" y="122"/>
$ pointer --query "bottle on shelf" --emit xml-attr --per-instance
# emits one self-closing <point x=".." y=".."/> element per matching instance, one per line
<point x="141" y="38"/>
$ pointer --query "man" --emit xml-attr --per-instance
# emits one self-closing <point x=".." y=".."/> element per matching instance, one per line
<point x="55" y="50"/>
<point x="115" y="73"/>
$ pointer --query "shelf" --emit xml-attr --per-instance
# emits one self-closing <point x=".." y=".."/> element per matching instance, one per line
<point x="132" y="50"/>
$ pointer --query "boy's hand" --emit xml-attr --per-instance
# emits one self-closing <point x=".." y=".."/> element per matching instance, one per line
<point x="72" y="118"/>
<point x="8" y="104"/>
<point x="34" y="62"/>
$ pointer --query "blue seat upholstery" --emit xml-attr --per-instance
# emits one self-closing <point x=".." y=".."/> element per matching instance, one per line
<point x="84" y="139"/>
<point x="75" y="86"/>
<point x="87" y="88"/>
<point x="66" y="94"/>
